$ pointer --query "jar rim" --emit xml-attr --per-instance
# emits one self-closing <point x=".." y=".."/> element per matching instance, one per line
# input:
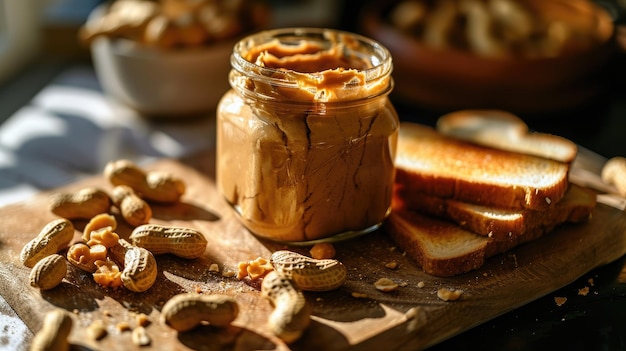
<point x="378" y="56"/>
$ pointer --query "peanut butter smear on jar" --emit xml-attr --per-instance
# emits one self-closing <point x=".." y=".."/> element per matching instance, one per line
<point x="306" y="138"/>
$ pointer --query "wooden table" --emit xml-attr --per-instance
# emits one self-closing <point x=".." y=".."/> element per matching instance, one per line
<point x="410" y="318"/>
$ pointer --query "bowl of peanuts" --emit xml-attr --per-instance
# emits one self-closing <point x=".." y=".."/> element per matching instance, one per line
<point x="168" y="59"/>
<point x="526" y="56"/>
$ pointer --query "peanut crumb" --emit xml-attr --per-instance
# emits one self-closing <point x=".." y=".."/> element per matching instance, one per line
<point x="140" y="337"/>
<point x="228" y="274"/>
<point x="449" y="294"/>
<point x="560" y="300"/>
<point x="385" y="285"/>
<point x="96" y="330"/>
<point x="421" y="285"/>
<point x="142" y="319"/>
<point x="214" y="268"/>
<point x="122" y="326"/>
<point x="584" y="291"/>
<point x="255" y="269"/>
<point x="359" y="295"/>
<point x="392" y="265"/>
<point x="590" y="281"/>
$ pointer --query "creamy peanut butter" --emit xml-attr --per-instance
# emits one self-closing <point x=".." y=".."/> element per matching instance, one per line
<point x="306" y="137"/>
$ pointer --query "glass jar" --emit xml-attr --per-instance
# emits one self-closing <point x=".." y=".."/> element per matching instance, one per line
<point x="306" y="137"/>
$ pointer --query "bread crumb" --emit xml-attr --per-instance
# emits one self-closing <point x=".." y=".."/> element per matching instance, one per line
<point x="560" y="300"/>
<point x="449" y="294"/>
<point x="385" y="285"/>
<point x="584" y="291"/>
<point x="421" y="285"/>
<point x="590" y="281"/>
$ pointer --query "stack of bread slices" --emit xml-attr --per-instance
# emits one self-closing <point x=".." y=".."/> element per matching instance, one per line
<point x="478" y="185"/>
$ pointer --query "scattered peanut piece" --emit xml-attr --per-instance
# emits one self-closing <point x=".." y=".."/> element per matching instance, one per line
<point x="134" y="209"/>
<point x="359" y="295"/>
<point x="214" y="268"/>
<point x="449" y="294"/>
<point x="560" y="300"/>
<point x="103" y="236"/>
<point x="186" y="311"/>
<point x="84" y="257"/>
<point x="57" y="325"/>
<point x="107" y="274"/>
<point x="421" y="284"/>
<point x="122" y="326"/>
<point x="96" y="330"/>
<point x="155" y="186"/>
<point x="386" y="285"/>
<point x="392" y="265"/>
<point x="142" y="319"/>
<point x="83" y="204"/>
<point x="255" y="269"/>
<point x="292" y="314"/>
<point x="140" y="336"/>
<point x="53" y="237"/>
<point x="584" y="291"/>
<point x="98" y="222"/>
<point x="49" y="272"/>
<point x="140" y="267"/>
<point x="308" y="273"/>
<point x="160" y="239"/>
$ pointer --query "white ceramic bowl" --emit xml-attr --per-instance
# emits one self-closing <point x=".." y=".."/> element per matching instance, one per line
<point x="160" y="83"/>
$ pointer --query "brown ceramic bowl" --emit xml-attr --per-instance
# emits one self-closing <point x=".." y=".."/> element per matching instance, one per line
<point x="456" y="79"/>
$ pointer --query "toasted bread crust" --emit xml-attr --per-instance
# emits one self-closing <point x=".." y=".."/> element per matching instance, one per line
<point x="413" y="232"/>
<point x="503" y="224"/>
<point x="444" y="249"/>
<point x="446" y="167"/>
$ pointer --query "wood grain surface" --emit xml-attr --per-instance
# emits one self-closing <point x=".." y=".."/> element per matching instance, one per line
<point x="410" y="318"/>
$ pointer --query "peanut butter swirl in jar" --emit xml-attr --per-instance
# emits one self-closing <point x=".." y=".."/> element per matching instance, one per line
<point x="306" y="137"/>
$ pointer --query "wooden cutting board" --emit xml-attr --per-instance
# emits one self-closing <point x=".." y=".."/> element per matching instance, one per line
<point x="409" y="318"/>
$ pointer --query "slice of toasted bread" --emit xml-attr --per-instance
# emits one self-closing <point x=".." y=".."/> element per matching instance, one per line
<point x="446" y="167"/>
<point x="442" y="248"/>
<point x="503" y="130"/>
<point x="503" y="224"/>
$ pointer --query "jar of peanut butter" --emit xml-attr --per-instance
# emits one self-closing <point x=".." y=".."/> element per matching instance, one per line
<point x="306" y="137"/>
